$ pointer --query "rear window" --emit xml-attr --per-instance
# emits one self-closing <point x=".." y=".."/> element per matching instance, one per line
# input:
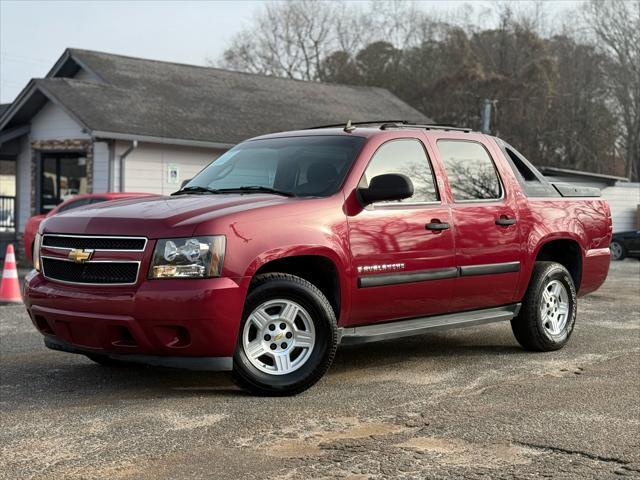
<point x="471" y="172"/>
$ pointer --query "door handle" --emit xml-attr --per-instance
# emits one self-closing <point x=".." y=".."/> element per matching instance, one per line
<point x="437" y="225"/>
<point x="505" y="221"/>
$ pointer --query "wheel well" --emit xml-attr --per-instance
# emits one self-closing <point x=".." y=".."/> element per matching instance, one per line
<point x="567" y="254"/>
<point x="315" y="269"/>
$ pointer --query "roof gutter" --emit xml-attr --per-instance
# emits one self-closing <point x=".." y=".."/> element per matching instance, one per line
<point x="14" y="133"/>
<point x="164" y="140"/>
<point x="124" y="155"/>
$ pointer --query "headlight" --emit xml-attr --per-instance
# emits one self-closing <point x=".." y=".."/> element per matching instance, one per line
<point x="196" y="257"/>
<point x="36" y="252"/>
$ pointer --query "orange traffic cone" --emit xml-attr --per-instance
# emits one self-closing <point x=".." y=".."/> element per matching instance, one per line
<point x="10" y="286"/>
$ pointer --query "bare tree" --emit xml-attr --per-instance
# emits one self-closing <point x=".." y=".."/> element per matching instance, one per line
<point x="288" y="39"/>
<point x="563" y="100"/>
<point x="293" y="39"/>
<point x="616" y="26"/>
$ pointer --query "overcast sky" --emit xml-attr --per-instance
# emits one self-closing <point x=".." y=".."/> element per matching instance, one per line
<point x="33" y="34"/>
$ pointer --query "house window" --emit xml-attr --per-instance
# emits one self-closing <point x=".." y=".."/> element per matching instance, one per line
<point x="62" y="176"/>
<point x="7" y="196"/>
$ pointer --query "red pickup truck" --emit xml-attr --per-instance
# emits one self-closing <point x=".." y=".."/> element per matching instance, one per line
<point x="293" y="243"/>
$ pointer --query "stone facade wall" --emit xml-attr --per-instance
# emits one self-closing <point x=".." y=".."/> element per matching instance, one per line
<point x="38" y="147"/>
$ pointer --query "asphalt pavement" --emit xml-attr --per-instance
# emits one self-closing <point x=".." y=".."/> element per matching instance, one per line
<point x="462" y="404"/>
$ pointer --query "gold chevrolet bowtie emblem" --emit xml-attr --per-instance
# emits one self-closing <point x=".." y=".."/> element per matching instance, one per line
<point x="79" y="255"/>
<point x="278" y="337"/>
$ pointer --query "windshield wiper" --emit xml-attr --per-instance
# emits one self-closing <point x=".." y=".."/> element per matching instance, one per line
<point x="243" y="189"/>
<point x="195" y="189"/>
<point x="257" y="189"/>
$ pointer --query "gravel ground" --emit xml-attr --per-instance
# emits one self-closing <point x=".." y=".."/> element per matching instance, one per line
<point x="462" y="404"/>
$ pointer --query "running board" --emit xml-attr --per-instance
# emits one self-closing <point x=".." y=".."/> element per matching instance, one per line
<point x="416" y="326"/>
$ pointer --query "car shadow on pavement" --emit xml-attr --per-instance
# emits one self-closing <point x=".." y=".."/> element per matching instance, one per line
<point x="68" y="376"/>
<point x="422" y="347"/>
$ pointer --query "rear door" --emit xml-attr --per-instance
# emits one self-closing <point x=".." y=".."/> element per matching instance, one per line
<point x="485" y="220"/>
<point x="402" y="252"/>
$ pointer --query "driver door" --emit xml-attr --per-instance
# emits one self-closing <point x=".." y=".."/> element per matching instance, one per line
<point x="403" y="251"/>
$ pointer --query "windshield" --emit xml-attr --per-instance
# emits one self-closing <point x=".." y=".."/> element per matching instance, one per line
<point x="313" y="166"/>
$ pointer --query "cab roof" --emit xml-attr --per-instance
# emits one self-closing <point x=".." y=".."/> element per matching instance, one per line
<point x="363" y="129"/>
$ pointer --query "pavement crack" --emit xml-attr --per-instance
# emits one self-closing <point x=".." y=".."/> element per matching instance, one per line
<point x="569" y="451"/>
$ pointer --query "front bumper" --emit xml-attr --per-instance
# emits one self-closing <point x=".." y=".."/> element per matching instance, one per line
<point x="187" y="363"/>
<point x="170" y="319"/>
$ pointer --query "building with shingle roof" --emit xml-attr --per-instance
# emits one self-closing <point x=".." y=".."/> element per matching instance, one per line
<point x="102" y="122"/>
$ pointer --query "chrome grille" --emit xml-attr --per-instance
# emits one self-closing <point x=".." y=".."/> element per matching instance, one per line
<point x="131" y="244"/>
<point x="111" y="261"/>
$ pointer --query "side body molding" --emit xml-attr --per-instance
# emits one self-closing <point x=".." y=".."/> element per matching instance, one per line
<point x="396" y="278"/>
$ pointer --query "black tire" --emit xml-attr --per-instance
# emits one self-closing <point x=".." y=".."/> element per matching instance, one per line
<point x="528" y="326"/>
<point x="618" y="252"/>
<point x="273" y="286"/>
<point x="108" y="361"/>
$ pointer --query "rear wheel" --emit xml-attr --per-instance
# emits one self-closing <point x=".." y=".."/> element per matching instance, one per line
<point x="288" y="336"/>
<point x="617" y="251"/>
<point x="548" y="312"/>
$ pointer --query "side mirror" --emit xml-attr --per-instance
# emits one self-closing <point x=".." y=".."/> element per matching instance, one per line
<point x="385" y="188"/>
<point x="184" y="182"/>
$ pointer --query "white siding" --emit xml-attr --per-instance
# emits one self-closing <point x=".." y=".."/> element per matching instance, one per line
<point x="100" y="167"/>
<point x="146" y="167"/>
<point x="23" y="182"/>
<point x="52" y="123"/>
<point x="624" y="199"/>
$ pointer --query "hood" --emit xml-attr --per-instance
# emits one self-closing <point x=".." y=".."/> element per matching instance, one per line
<point x="155" y="217"/>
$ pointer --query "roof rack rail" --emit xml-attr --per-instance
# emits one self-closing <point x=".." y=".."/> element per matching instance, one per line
<point x="445" y="127"/>
<point x="386" y="124"/>
<point x="372" y="122"/>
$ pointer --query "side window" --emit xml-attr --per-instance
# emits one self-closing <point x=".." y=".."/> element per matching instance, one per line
<point x="406" y="156"/>
<point x="472" y="174"/>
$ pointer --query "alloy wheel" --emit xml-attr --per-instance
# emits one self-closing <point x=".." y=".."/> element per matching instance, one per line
<point x="554" y="307"/>
<point x="278" y="337"/>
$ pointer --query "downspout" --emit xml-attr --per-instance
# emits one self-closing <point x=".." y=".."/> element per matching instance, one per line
<point x="124" y="155"/>
<point x="112" y="166"/>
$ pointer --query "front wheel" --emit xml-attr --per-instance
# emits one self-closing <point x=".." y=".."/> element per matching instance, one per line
<point x="617" y="251"/>
<point x="548" y="312"/>
<point x="288" y="336"/>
